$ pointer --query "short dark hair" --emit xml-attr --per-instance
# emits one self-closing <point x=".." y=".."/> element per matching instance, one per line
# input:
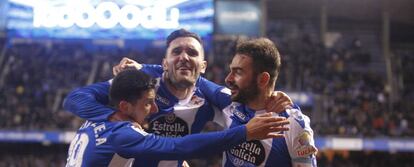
<point x="182" y="33"/>
<point x="265" y="56"/>
<point x="129" y="85"/>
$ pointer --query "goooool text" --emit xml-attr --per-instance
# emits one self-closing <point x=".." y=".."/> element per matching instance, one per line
<point x="105" y="15"/>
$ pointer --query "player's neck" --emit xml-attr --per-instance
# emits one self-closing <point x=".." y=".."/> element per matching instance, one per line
<point x="259" y="103"/>
<point x="118" y="116"/>
<point x="180" y="93"/>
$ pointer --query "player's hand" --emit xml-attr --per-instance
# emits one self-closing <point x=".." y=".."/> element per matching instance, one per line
<point x="278" y="102"/>
<point x="125" y="63"/>
<point x="185" y="164"/>
<point x="265" y="126"/>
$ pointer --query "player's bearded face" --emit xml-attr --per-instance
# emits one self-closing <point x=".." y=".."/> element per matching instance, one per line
<point x="243" y="93"/>
<point x="242" y="80"/>
<point x="184" y="62"/>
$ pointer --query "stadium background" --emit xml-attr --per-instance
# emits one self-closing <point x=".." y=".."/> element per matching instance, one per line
<point x="348" y="63"/>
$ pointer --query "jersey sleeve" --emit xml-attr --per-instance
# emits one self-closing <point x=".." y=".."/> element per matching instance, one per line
<point x="131" y="142"/>
<point x="218" y="95"/>
<point x="153" y="70"/>
<point x="90" y="102"/>
<point x="299" y="139"/>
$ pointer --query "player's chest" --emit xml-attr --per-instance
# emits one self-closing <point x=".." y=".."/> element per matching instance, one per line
<point x="177" y="118"/>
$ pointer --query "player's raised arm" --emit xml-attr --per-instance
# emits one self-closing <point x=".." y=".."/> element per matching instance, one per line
<point x="220" y="97"/>
<point x="90" y="102"/>
<point x="127" y="63"/>
<point x="132" y="142"/>
<point x="124" y="64"/>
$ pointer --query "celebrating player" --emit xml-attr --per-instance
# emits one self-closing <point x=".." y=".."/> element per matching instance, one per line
<point x="252" y="79"/>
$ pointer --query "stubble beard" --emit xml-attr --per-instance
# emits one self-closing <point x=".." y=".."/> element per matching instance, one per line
<point x="246" y="94"/>
<point x="182" y="83"/>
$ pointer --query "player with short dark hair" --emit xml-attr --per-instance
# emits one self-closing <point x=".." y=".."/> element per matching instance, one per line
<point x="182" y="33"/>
<point x="252" y="79"/>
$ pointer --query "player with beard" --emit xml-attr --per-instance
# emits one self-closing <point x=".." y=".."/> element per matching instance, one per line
<point x="252" y="79"/>
<point x="121" y="139"/>
<point x="182" y="95"/>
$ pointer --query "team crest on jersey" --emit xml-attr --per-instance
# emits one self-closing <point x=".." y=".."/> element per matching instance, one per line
<point x="169" y="125"/>
<point x="170" y="118"/>
<point x="192" y="103"/>
<point x="196" y="101"/>
<point x="251" y="153"/>
<point x="305" y="148"/>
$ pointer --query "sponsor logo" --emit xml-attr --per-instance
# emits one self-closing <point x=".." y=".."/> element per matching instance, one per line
<point x="169" y="126"/>
<point x="305" y="148"/>
<point x="163" y="100"/>
<point x="239" y="115"/>
<point x="251" y="153"/>
<point x="306" y="151"/>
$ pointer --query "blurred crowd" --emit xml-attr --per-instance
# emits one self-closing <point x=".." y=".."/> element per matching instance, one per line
<point x="35" y="78"/>
<point x="32" y="155"/>
<point x="364" y="159"/>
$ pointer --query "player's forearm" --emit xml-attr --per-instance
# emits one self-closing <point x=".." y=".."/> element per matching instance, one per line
<point x="153" y="70"/>
<point x="216" y="94"/>
<point x="188" y="147"/>
<point x="200" y="145"/>
<point x="87" y="102"/>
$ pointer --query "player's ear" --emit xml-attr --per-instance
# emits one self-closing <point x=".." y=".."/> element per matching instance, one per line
<point x="123" y="106"/>
<point x="203" y="67"/>
<point x="263" y="80"/>
<point x="164" y="64"/>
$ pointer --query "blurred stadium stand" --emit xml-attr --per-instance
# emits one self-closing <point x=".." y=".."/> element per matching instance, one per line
<point x="349" y="64"/>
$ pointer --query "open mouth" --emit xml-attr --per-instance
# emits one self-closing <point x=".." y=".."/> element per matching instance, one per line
<point x="184" y="69"/>
<point x="234" y="91"/>
<point x="233" y="88"/>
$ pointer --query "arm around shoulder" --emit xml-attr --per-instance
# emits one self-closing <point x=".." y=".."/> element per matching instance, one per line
<point x="89" y="102"/>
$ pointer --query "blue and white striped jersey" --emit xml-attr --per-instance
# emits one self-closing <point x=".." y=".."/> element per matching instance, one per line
<point x="175" y="117"/>
<point x="296" y="149"/>
<point x="119" y="143"/>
